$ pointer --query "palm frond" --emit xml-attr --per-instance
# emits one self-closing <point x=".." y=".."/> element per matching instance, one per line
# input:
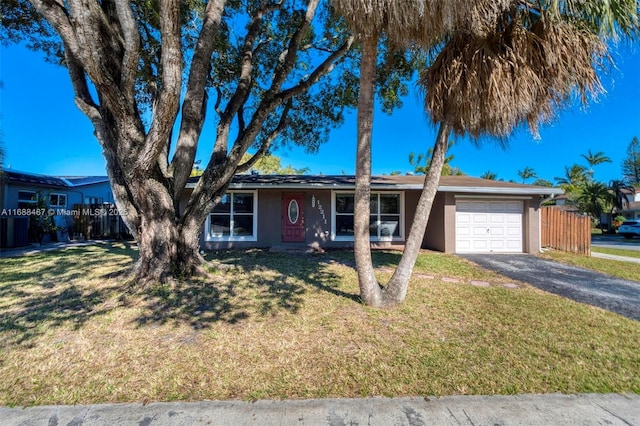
<point x="423" y="21"/>
<point x="519" y="73"/>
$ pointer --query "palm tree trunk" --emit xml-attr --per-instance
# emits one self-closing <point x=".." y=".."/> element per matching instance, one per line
<point x="370" y="290"/>
<point x="396" y="291"/>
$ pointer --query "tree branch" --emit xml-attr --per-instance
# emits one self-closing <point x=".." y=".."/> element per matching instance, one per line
<point x="270" y="102"/>
<point x="324" y="68"/>
<point x="132" y="49"/>
<point x="195" y="101"/>
<point x="267" y="144"/>
<point x="83" y="98"/>
<point x="244" y="84"/>
<point x="291" y="54"/>
<point x="57" y="15"/>
<point x="169" y="97"/>
<point x="217" y="172"/>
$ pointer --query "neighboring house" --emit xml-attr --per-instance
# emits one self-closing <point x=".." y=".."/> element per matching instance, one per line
<point x="632" y="209"/>
<point x="469" y="215"/>
<point x="563" y="200"/>
<point x="62" y="193"/>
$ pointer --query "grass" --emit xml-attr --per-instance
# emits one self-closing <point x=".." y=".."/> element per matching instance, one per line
<point x="617" y="252"/>
<point x="615" y="268"/>
<point x="269" y="325"/>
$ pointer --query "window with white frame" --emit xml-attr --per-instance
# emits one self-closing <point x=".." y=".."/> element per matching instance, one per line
<point x="57" y="201"/>
<point x="26" y="199"/>
<point x="386" y="222"/>
<point x="235" y="218"/>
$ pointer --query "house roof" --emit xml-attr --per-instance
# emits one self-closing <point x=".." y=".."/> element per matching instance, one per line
<point x="34" y="179"/>
<point x="84" y="180"/>
<point x="27" y="178"/>
<point x="461" y="184"/>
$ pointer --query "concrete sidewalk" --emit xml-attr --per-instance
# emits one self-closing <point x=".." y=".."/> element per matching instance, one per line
<point x="550" y="409"/>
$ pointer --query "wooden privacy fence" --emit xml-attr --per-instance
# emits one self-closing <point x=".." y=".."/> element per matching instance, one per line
<point x="95" y="221"/>
<point x="566" y="231"/>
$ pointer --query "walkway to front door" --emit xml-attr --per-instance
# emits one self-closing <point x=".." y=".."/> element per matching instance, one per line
<point x="293" y="230"/>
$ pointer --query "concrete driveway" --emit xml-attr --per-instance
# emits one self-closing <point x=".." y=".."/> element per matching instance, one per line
<point x="582" y="285"/>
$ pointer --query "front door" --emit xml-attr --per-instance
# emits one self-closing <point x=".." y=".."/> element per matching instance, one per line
<point x="293" y="218"/>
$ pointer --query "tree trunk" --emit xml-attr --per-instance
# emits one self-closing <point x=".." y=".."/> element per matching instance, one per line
<point x="166" y="253"/>
<point x="167" y="247"/>
<point x="370" y="290"/>
<point x="396" y="291"/>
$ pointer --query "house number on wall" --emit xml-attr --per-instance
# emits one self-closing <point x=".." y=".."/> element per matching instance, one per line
<point x="313" y="204"/>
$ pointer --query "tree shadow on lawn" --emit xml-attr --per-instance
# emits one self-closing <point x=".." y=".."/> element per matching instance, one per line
<point x="46" y="290"/>
<point x="244" y="284"/>
<point x="381" y="258"/>
<point x="50" y="290"/>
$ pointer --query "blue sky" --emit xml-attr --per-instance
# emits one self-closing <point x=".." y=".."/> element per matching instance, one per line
<point x="44" y="132"/>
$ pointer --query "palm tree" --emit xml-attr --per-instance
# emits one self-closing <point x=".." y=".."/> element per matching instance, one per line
<point x="447" y="168"/>
<point x="575" y="177"/>
<point x="427" y="22"/>
<point x="415" y="163"/>
<point x="593" y="199"/>
<point x="527" y="173"/>
<point x="501" y="64"/>
<point x="593" y="159"/>
<point x="489" y="175"/>
<point x="530" y="61"/>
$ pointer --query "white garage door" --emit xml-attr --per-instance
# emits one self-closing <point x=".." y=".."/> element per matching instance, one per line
<point x="488" y="226"/>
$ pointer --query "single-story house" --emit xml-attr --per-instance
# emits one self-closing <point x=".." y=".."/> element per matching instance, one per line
<point x="469" y="215"/>
<point x="632" y="209"/>
<point x="62" y="192"/>
<point x="18" y="192"/>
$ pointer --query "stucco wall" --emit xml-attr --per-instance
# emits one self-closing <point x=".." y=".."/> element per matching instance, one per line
<point x="434" y="237"/>
<point x="316" y="216"/>
<point x="317" y="219"/>
<point x="440" y="234"/>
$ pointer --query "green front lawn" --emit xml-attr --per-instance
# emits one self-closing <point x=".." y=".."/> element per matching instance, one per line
<point x="268" y="325"/>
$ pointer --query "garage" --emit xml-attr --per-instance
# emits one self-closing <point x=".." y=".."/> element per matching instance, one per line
<point x="489" y="226"/>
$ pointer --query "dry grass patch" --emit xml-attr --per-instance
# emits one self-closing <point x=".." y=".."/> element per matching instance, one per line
<point x="287" y="326"/>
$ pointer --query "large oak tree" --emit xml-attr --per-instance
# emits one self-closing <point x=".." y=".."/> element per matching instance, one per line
<point x="147" y="73"/>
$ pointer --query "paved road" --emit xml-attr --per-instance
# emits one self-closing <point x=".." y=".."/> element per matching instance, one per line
<point x="582" y="285"/>
<point x="615" y="242"/>
<point x="551" y="409"/>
